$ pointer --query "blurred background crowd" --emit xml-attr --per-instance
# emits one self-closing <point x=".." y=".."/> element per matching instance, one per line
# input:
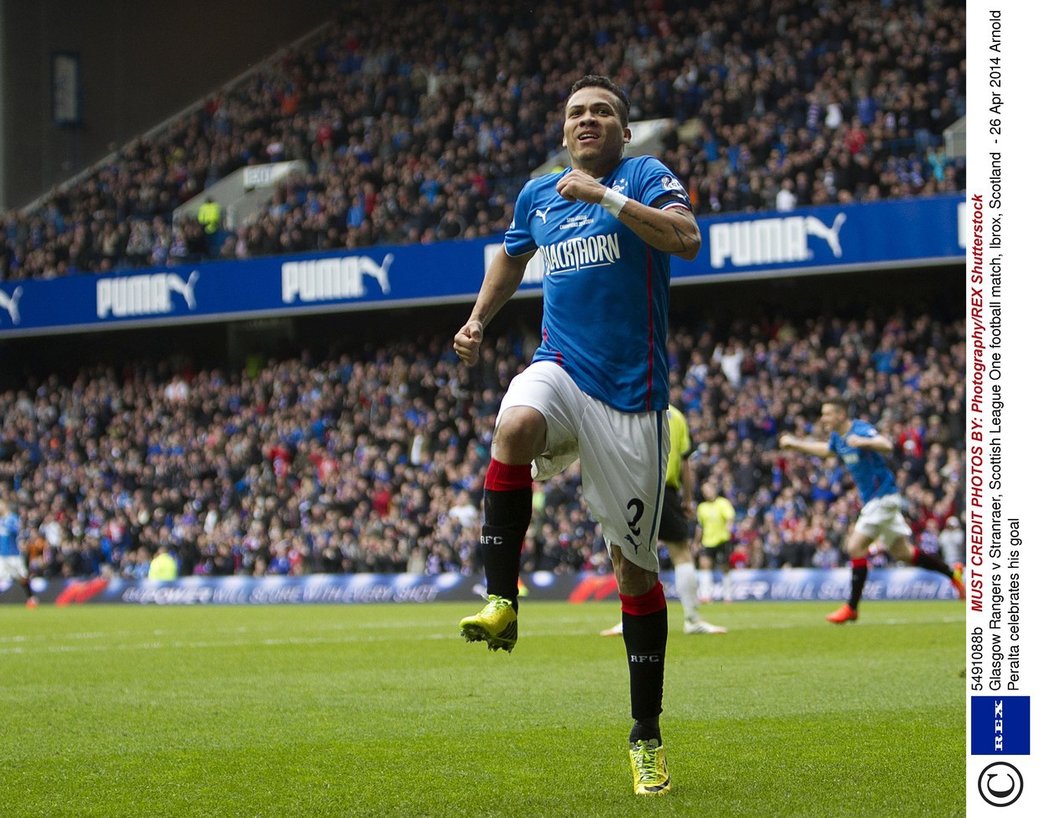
<point x="375" y="462"/>
<point x="421" y="126"/>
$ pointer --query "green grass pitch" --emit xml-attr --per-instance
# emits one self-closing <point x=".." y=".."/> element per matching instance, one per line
<point x="383" y="710"/>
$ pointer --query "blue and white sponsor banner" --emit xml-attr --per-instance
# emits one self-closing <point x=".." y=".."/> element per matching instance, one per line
<point x="806" y="241"/>
<point x="825" y="239"/>
<point x="812" y="584"/>
<point x="799" y="584"/>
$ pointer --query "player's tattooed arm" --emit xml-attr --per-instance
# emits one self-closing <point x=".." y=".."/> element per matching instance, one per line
<point x="673" y="230"/>
<point x="670" y="229"/>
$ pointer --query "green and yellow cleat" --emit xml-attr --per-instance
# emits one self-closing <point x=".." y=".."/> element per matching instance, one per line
<point x="649" y="768"/>
<point x="496" y="624"/>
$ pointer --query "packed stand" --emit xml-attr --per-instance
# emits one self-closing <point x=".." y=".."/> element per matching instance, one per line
<point x="422" y="126"/>
<point x="375" y="463"/>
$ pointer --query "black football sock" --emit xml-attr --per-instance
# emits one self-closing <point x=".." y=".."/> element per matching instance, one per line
<point x="860" y="576"/>
<point x="920" y="559"/>
<point x="508" y="512"/>
<point x="645" y="729"/>
<point x="645" y="637"/>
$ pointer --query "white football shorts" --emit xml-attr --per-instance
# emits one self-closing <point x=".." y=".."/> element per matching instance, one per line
<point x="623" y="456"/>
<point x="13" y="568"/>
<point x="882" y="517"/>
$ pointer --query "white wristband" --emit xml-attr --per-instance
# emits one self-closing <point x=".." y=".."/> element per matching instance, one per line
<point x="613" y="201"/>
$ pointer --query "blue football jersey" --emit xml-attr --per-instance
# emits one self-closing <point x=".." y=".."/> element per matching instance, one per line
<point x="9" y="535"/>
<point x="869" y="469"/>
<point x="605" y="291"/>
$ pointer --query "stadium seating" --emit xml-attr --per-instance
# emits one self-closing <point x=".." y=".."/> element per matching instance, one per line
<point x="374" y="462"/>
<point x="421" y="126"/>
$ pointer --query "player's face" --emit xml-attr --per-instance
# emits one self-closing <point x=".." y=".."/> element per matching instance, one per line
<point x="593" y="132"/>
<point x="833" y="417"/>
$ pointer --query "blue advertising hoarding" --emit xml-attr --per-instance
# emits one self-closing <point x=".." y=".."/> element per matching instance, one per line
<point x="913" y="232"/>
<point x="755" y="585"/>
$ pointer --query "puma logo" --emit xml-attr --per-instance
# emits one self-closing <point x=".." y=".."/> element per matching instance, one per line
<point x="10" y="303"/>
<point x="815" y="227"/>
<point x="184" y="288"/>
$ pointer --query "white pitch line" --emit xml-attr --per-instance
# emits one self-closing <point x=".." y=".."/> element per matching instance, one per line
<point x="22" y="645"/>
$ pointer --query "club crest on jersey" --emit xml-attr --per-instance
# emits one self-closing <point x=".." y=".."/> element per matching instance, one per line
<point x="620" y="186"/>
<point x="670" y="183"/>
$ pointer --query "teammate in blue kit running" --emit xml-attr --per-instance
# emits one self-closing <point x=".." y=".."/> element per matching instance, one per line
<point x="597" y="387"/>
<point x="863" y="451"/>
<point x="12" y="561"/>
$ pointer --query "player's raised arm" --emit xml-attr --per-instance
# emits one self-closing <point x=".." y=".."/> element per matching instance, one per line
<point x="818" y="448"/>
<point x="502" y="280"/>
<point x="671" y="230"/>
<point x="878" y="443"/>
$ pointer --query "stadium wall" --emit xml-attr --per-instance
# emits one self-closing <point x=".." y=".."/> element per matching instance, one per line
<point x="873" y="236"/>
<point x="139" y="61"/>
<point x="799" y="584"/>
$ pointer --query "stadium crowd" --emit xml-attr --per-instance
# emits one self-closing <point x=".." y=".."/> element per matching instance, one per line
<point x="374" y="462"/>
<point x="421" y="125"/>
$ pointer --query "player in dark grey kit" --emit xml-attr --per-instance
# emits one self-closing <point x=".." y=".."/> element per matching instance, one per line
<point x="597" y="388"/>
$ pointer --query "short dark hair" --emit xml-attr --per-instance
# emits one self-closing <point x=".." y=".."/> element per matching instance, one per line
<point x="623" y="106"/>
<point x="838" y="402"/>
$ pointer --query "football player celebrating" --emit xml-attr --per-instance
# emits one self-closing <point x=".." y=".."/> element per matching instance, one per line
<point x="597" y="388"/>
